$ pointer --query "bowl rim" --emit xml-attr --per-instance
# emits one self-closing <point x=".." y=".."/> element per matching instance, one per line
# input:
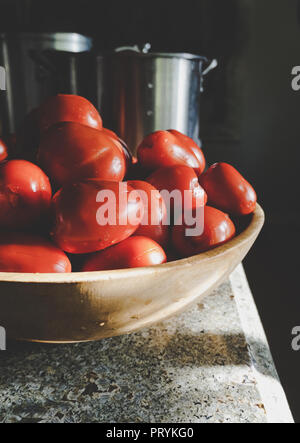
<point x="251" y="231"/>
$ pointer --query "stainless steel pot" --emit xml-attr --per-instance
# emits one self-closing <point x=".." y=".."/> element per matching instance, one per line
<point x="136" y="91"/>
<point x="140" y="92"/>
<point x="30" y="75"/>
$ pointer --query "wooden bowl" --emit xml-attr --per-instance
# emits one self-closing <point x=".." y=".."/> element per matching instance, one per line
<point x="66" y="308"/>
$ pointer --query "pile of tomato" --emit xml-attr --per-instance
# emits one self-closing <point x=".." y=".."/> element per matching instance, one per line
<point x="49" y="196"/>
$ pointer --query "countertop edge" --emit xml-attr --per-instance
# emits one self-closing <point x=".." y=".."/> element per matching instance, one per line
<point x="273" y="396"/>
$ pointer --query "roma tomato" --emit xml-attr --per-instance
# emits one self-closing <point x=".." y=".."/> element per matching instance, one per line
<point x="154" y="224"/>
<point x="93" y="215"/>
<point x="170" y="148"/>
<point x="24" y="253"/>
<point x="25" y="194"/>
<point x="68" y="108"/>
<point x="228" y="190"/>
<point x="71" y="152"/>
<point x="3" y="150"/>
<point x="110" y="133"/>
<point x="180" y="178"/>
<point x="125" y="150"/>
<point x="135" y="252"/>
<point x="197" y="150"/>
<point x="218" y="229"/>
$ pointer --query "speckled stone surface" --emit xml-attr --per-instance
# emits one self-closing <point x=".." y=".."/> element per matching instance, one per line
<point x="195" y="367"/>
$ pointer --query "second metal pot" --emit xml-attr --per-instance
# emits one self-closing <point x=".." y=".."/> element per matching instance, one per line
<point x="31" y="76"/>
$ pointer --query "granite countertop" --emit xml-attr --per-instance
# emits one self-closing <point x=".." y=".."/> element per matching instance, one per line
<point x="211" y="364"/>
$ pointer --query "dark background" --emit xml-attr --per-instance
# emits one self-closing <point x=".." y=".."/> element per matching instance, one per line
<point x="250" y="117"/>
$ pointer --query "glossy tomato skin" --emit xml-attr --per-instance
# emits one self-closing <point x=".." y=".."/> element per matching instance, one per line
<point x="227" y="190"/>
<point x="125" y="150"/>
<point x="218" y="229"/>
<point x="68" y="108"/>
<point x="25" y="194"/>
<point x="135" y="252"/>
<point x="31" y="254"/>
<point x="3" y="150"/>
<point x="197" y="150"/>
<point x="71" y="152"/>
<point x="154" y="225"/>
<point x="110" y="133"/>
<point x="180" y="178"/>
<point x="76" y="211"/>
<point x="170" y="148"/>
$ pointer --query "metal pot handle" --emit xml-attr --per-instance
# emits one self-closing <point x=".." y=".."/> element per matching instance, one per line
<point x="212" y="64"/>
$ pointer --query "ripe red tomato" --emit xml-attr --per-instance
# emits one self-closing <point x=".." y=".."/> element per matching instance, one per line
<point x="3" y="150"/>
<point x="135" y="252"/>
<point x="218" y="229"/>
<point x="197" y="150"/>
<point x="110" y="133"/>
<point x="153" y="225"/>
<point x="170" y="148"/>
<point x="31" y="254"/>
<point x="80" y="227"/>
<point x="71" y="152"/>
<point x="68" y="108"/>
<point x="228" y="190"/>
<point x="25" y="194"/>
<point x="125" y="150"/>
<point x="181" y="178"/>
